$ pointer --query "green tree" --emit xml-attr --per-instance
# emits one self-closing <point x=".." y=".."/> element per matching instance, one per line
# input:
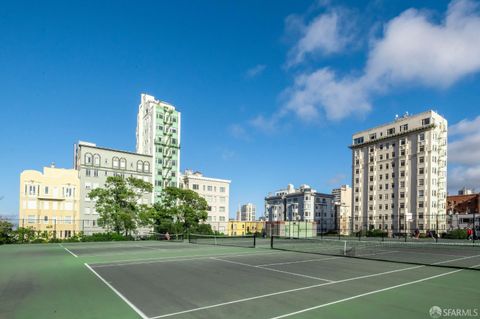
<point x="117" y="203"/>
<point x="7" y="234"/>
<point x="179" y="209"/>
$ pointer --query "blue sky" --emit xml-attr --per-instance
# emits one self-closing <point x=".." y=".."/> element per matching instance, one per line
<point x="270" y="91"/>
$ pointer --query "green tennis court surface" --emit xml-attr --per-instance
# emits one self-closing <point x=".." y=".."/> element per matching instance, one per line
<point x="159" y="279"/>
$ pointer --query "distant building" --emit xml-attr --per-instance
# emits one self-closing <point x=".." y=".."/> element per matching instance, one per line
<point x="247" y="212"/>
<point x="466" y="191"/>
<point x="463" y="204"/>
<point x="343" y="209"/>
<point x="215" y="191"/>
<point x="240" y="228"/>
<point x="302" y="204"/>
<point x="399" y="175"/>
<point x="94" y="164"/>
<point x="50" y="201"/>
<point x="158" y="135"/>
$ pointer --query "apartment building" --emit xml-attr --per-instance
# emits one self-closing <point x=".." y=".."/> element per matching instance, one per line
<point x="399" y="175"/>
<point x="240" y="228"/>
<point x="302" y="204"/>
<point x="217" y="194"/>
<point x="158" y="135"/>
<point x="50" y="201"/>
<point x="247" y="212"/>
<point x="343" y="209"/>
<point x="94" y="164"/>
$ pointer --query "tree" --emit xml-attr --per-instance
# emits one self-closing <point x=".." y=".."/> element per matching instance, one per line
<point x="117" y="203"/>
<point x="7" y="234"/>
<point x="179" y="209"/>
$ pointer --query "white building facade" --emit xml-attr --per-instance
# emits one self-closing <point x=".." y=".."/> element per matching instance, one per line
<point x="247" y="213"/>
<point x="217" y="194"/>
<point x="94" y="165"/>
<point x="158" y="135"/>
<point x="302" y="204"/>
<point x="399" y="175"/>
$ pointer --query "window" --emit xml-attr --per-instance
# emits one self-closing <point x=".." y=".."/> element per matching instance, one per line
<point x="404" y="128"/>
<point x="146" y="167"/>
<point x="209" y="188"/>
<point x="221" y="209"/>
<point x="46" y="190"/>
<point x="88" y="159"/>
<point x="402" y="163"/>
<point x="139" y="166"/>
<point x="95" y="172"/>
<point x="358" y="140"/>
<point x="421" y="137"/>
<point x="195" y="186"/>
<point x="421" y="182"/>
<point x="123" y="163"/>
<point x="421" y="171"/>
<point x="391" y="131"/>
<point x="88" y="172"/>
<point x="222" y="189"/>
<point x="115" y="162"/>
<point x="426" y="121"/>
<point x="96" y="160"/>
<point x="421" y="159"/>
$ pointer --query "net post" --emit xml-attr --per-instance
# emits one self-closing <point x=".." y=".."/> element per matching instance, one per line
<point x="474" y="233"/>
<point x="271" y="241"/>
<point x="405" y="235"/>
<point x="344" y="247"/>
<point x="254" y="239"/>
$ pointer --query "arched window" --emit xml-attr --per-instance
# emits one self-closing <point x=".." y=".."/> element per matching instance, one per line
<point x="88" y="159"/>
<point x="115" y="162"/>
<point x="146" y="167"/>
<point x="123" y="163"/>
<point x="139" y="166"/>
<point x="96" y="160"/>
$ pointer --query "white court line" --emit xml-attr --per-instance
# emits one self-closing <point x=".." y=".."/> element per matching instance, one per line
<point x="282" y="292"/>
<point x="269" y="269"/>
<point x="118" y="293"/>
<point x="68" y="251"/>
<point x="126" y="262"/>
<point x="366" y="294"/>
<point x="298" y="261"/>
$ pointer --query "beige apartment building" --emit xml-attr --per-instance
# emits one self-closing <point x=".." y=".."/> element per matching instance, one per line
<point x="216" y="192"/>
<point x="49" y="201"/>
<point x="399" y="175"/>
<point x="247" y="212"/>
<point x="342" y="198"/>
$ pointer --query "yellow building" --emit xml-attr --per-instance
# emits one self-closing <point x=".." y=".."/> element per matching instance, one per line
<point x="239" y="228"/>
<point x="49" y="202"/>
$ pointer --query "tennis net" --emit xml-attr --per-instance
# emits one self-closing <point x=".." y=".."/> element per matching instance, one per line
<point x="421" y="253"/>
<point x="247" y="241"/>
<point x="164" y="236"/>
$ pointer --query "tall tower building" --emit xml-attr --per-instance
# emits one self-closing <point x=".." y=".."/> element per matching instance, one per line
<point x="158" y="135"/>
<point x="399" y="175"/>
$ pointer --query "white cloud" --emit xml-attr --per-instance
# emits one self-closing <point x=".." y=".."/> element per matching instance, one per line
<point x="337" y="98"/>
<point x="413" y="51"/>
<point x="325" y="34"/>
<point x="337" y="180"/>
<point x="227" y="154"/>
<point x="255" y="71"/>
<point x="267" y="125"/>
<point x="239" y="132"/>
<point x="461" y="176"/>
<point x="435" y="55"/>
<point x="464" y="155"/>
<point x="465" y="127"/>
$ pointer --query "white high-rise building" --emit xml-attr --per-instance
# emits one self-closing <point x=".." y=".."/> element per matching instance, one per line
<point x="158" y="135"/>
<point x="399" y="175"/>
<point x="247" y="212"/>
<point x="217" y="193"/>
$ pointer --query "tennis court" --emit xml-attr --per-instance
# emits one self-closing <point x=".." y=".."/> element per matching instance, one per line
<point x="178" y="279"/>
